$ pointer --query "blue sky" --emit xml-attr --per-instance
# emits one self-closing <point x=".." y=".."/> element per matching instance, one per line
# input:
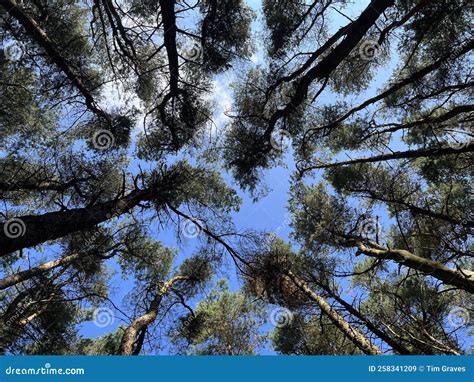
<point x="269" y="213"/>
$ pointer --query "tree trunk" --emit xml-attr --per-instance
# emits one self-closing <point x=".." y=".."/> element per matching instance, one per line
<point x="410" y="154"/>
<point x="456" y="52"/>
<point x="40" y="36"/>
<point x="398" y="347"/>
<point x="349" y="331"/>
<point x="353" y="35"/>
<point x="42" y="268"/>
<point x="169" y="26"/>
<point x="140" y="324"/>
<point x="53" y="225"/>
<point x="462" y="278"/>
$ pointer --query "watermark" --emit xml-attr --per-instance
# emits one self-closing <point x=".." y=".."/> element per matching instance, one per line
<point x="103" y="139"/>
<point x="17" y="316"/>
<point x="369" y="227"/>
<point x="121" y="207"/>
<point x="13" y="51"/>
<point x="369" y="50"/>
<point x="458" y="317"/>
<point x="192" y="51"/>
<point x="45" y="370"/>
<point x="281" y="139"/>
<point x="286" y="222"/>
<point x="14" y="228"/>
<point x="191" y="228"/>
<point x="458" y="145"/>
<point x="453" y="56"/>
<point x="103" y="317"/>
<point x="281" y="317"/>
<point x="89" y="242"/>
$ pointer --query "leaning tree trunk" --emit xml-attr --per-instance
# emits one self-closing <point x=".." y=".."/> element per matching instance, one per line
<point x="40" y="36"/>
<point x="397" y="346"/>
<point x="43" y="268"/>
<point x="461" y="278"/>
<point x="28" y="231"/>
<point x="135" y="332"/>
<point x="354" y="335"/>
<point x="410" y="154"/>
<point x="354" y="33"/>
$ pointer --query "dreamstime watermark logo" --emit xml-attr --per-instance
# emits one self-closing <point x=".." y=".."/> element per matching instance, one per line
<point x="281" y="317"/>
<point x="369" y="50"/>
<point x="192" y="51"/>
<point x="13" y="51"/>
<point x="89" y="242"/>
<point x="103" y="139"/>
<point x="453" y="56"/>
<point x="286" y="222"/>
<point x="458" y="317"/>
<point x="44" y="370"/>
<point x="191" y="228"/>
<point x="103" y="317"/>
<point x="17" y="316"/>
<point x="369" y="226"/>
<point x="281" y="139"/>
<point x="14" y="228"/>
<point x="458" y="145"/>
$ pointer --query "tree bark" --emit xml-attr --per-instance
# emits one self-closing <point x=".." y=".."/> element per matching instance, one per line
<point x="169" y="27"/>
<point x="353" y="35"/>
<point x="42" y="268"/>
<point x="410" y="154"/>
<point x="53" y="225"/>
<point x="398" y="347"/>
<point x="457" y="52"/>
<point x="349" y="331"/>
<point x="462" y="278"/>
<point x="140" y="324"/>
<point x="40" y="36"/>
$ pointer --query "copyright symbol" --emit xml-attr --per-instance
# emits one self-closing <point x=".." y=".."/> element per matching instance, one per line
<point x="422" y="368"/>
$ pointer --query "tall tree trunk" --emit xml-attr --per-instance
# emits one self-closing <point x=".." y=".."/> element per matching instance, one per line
<point x="397" y="346"/>
<point x="349" y="331"/>
<point x="169" y="26"/>
<point x="40" y="36"/>
<point x="135" y="331"/>
<point x="353" y="35"/>
<point x="53" y="225"/>
<point x="42" y="268"/>
<point x="410" y="154"/>
<point x="416" y="76"/>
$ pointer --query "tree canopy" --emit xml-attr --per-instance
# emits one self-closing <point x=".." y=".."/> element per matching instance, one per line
<point x="133" y="133"/>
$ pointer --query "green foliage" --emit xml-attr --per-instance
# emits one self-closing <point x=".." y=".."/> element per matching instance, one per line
<point x="376" y="106"/>
<point x="225" y="28"/>
<point x="313" y="336"/>
<point x="319" y="218"/>
<point x="107" y="344"/>
<point x="416" y="311"/>
<point x="224" y="323"/>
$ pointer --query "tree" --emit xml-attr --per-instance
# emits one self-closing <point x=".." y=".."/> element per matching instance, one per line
<point x="224" y="323"/>
<point x="117" y="160"/>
